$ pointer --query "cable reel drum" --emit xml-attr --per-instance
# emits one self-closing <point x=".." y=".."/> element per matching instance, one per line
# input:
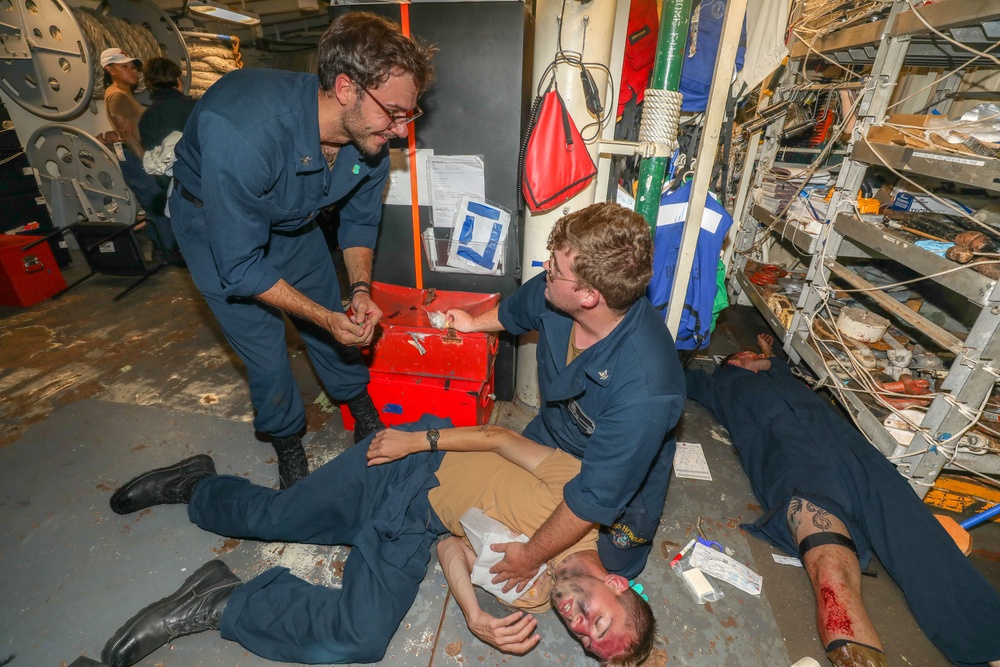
<point x="79" y="177"/>
<point x="47" y="63"/>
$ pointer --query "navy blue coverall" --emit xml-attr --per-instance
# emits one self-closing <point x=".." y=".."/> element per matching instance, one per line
<point x="792" y="443"/>
<point x="252" y="162"/>
<point x="384" y="515"/>
<point x="615" y="407"/>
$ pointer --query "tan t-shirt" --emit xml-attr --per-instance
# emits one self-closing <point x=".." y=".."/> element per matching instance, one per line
<point x="513" y="496"/>
<point x="124" y="105"/>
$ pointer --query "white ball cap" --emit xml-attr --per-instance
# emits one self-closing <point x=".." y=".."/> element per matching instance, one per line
<point x="116" y="56"/>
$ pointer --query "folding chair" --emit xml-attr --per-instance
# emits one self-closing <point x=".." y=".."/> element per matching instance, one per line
<point x="109" y="248"/>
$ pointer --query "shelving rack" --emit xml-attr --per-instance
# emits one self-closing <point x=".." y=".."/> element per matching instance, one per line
<point x="886" y="45"/>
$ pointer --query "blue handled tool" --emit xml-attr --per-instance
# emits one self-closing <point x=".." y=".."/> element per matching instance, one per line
<point x="983" y="516"/>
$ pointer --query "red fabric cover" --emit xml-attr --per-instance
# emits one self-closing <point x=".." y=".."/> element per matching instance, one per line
<point x="640" y="51"/>
<point x="557" y="164"/>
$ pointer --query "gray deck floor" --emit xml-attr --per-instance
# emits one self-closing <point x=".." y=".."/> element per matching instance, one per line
<point x="93" y="391"/>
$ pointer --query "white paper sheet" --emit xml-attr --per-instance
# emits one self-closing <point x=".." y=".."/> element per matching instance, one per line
<point x="690" y="462"/>
<point x="451" y="177"/>
<point x="397" y="188"/>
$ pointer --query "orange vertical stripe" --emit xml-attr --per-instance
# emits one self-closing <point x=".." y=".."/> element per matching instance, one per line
<point x="411" y="142"/>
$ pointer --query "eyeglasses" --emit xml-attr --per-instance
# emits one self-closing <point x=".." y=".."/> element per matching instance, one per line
<point x="550" y="272"/>
<point x="396" y="119"/>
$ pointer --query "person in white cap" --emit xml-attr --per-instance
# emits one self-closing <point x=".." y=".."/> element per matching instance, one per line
<point x="121" y="76"/>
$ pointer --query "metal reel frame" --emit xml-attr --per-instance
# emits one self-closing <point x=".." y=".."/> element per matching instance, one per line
<point x="45" y="60"/>
<point x="79" y="177"/>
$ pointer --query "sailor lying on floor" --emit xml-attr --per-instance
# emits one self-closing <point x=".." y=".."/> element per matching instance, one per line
<point x="390" y="512"/>
<point x="833" y="499"/>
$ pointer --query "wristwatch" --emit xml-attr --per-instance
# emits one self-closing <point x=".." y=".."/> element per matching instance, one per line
<point x="432" y="437"/>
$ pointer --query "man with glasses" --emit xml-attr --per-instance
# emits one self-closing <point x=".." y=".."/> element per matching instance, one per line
<point x="262" y="153"/>
<point x="611" y="387"/>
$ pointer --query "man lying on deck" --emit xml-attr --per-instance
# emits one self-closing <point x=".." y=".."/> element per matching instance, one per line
<point x="834" y="500"/>
<point x="390" y="512"/>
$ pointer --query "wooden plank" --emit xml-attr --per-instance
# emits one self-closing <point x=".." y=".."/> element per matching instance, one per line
<point x="936" y="333"/>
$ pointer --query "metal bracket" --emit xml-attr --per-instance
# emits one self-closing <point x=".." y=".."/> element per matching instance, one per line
<point x="645" y="149"/>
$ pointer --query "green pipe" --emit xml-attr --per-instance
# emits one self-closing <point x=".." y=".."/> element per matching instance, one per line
<point x="666" y="76"/>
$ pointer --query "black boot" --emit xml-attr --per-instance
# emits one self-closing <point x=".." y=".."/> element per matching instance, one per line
<point x="195" y="607"/>
<point x="292" y="463"/>
<point x="366" y="419"/>
<point x="172" y="484"/>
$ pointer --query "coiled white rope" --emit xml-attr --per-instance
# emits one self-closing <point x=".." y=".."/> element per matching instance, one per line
<point x="661" y="117"/>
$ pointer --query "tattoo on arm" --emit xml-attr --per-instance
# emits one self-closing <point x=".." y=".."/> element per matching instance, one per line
<point x="486" y="430"/>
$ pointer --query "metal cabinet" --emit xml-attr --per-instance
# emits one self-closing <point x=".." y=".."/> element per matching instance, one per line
<point x="905" y="37"/>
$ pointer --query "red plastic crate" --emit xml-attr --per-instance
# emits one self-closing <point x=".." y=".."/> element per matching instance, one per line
<point x="27" y="276"/>
<point x="405" y="398"/>
<point x="406" y="343"/>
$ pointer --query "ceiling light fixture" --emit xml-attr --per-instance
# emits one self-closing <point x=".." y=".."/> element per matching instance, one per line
<point x="214" y="11"/>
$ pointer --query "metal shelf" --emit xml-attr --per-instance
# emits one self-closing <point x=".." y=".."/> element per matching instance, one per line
<point x="788" y="230"/>
<point x="971" y="20"/>
<point x="869" y="423"/>
<point x="757" y="299"/>
<point x="947" y="15"/>
<point x="972" y="285"/>
<point x="982" y="172"/>
<point x="844" y="40"/>
<point x="889" y="44"/>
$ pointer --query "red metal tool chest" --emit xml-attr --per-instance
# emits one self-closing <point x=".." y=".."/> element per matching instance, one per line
<point x="407" y="343"/>
<point x="405" y="398"/>
<point x="417" y="368"/>
<point x="27" y="276"/>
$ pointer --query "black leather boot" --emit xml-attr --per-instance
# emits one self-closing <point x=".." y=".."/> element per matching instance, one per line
<point x="194" y="607"/>
<point x="366" y="419"/>
<point x="292" y="463"/>
<point x="172" y="484"/>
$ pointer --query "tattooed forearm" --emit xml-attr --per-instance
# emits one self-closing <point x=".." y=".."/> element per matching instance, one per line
<point x="486" y="430"/>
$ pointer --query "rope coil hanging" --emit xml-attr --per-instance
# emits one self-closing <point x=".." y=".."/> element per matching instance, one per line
<point x="661" y="117"/>
<point x="210" y="60"/>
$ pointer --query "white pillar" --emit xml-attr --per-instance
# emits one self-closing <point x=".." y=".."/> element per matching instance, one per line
<point x="596" y="21"/>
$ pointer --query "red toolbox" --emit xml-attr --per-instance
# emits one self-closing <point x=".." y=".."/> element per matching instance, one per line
<point x="27" y="276"/>
<point x="418" y="369"/>
<point x="407" y="343"/>
<point x="405" y="398"/>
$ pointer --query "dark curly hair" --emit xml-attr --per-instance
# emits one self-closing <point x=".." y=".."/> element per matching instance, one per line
<point x="369" y="49"/>
<point x="161" y="73"/>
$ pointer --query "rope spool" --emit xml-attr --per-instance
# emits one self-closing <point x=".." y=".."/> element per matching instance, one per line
<point x="210" y="60"/>
<point x="104" y="32"/>
<point x="49" y="54"/>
